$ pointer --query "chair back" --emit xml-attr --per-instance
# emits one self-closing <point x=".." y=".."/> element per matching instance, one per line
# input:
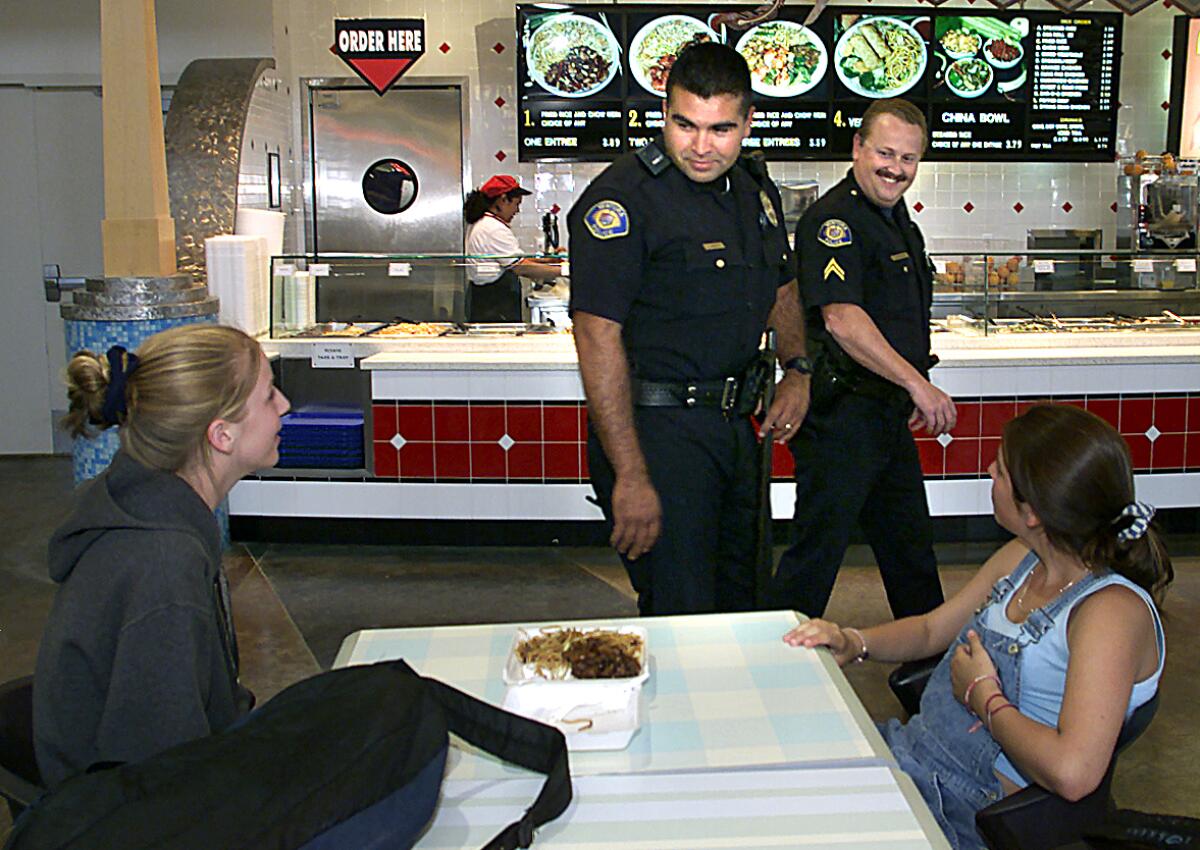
<point x="20" y="779"/>
<point x="1137" y="723"/>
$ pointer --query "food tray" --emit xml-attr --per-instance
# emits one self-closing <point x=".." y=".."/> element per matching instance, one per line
<point x="592" y="714"/>
<point x="517" y="673"/>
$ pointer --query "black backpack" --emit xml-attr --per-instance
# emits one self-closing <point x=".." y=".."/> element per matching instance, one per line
<point x="352" y="758"/>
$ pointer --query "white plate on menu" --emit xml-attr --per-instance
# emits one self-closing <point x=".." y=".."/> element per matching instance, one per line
<point x="589" y="717"/>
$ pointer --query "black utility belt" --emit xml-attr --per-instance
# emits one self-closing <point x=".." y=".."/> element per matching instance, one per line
<point x="727" y="395"/>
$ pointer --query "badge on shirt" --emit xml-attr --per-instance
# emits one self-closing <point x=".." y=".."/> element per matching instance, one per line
<point x="834" y="233"/>
<point x="607" y="220"/>
<point x="768" y="208"/>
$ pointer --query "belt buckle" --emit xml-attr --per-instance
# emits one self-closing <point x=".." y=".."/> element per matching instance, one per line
<point x="729" y="394"/>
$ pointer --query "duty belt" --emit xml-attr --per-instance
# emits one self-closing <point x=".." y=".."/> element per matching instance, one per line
<point x="722" y="394"/>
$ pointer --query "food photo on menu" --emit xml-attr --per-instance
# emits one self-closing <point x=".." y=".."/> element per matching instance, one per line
<point x="786" y="58"/>
<point x="569" y="54"/>
<point x="979" y="57"/>
<point x="879" y="56"/>
<point x="655" y="45"/>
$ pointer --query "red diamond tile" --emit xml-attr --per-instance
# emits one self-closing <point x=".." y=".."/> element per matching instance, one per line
<point x="989" y="448"/>
<point x="500" y="102"/>
<point x="561" y="460"/>
<point x="444" y="47"/>
<point x="451" y="422"/>
<point x="487" y="461"/>
<point x="383" y="415"/>
<point x="1166" y="54"/>
<point x="415" y="421"/>
<point x="1170" y="414"/>
<point x="918" y="206"/>
<point x="525" y="423"/>
<point x="1168" y="452"/>
<point x="1139" y="450"/>
<point x="968" y="206"/>
<point x="501" y="156"/>
<point x="1113" y="206"/>
<point x="555" y="210"/>
<point x="487" y="423"/>
<point x="452" y="460"/>
<point x="498" y="47"/>
<point x="560" y="423"/>
<point x="933" y="457"/>
<point x="1067" y="207"/>
<point x="968" y="424"/>
<point x="1018" y="206"/>
<point x="416" y="460"/>
<point x="1165" y="105"/>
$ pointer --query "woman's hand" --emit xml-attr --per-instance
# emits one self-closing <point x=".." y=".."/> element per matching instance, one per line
<point x="816" y="633"/>
<point x="970" y="661"/>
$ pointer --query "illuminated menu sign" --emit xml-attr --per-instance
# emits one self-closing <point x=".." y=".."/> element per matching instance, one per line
<point x="993" y="85"/>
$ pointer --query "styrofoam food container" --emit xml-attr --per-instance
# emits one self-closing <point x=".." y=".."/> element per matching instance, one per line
<point x="517" y="673"/>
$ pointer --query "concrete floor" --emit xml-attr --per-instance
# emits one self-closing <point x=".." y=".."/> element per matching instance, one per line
<point x="294" y="605"/>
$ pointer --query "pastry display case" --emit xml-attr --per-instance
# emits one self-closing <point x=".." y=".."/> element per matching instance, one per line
<point x="1065" y="291"/>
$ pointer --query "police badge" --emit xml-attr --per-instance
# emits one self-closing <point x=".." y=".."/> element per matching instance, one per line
<point x="834" y="233"/>
<point x="768" y="207"/>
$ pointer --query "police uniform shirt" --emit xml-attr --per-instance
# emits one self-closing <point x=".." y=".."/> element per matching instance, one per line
<point x="690" y="270"/>
<point x="851" y="251"/>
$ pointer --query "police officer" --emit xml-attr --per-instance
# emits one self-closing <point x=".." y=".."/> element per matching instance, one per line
<point x="867" y="284"/>
<point x="679" y="261"/>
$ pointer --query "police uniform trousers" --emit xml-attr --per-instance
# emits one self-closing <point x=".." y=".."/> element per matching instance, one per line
<point x="498" y="301"/>
<point x="856" y="461"/>
<point x="703" y="467"/>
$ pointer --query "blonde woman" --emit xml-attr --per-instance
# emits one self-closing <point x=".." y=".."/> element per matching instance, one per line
<point x="139" y="651"/>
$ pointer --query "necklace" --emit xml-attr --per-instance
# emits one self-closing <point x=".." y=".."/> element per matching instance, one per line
<point x="1029" y="581"/>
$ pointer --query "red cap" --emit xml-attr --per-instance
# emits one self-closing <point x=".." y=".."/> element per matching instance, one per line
<point x="502" y="184"/>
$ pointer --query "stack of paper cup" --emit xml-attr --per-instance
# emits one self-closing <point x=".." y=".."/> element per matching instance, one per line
<point x="299" y="301"/>
<point x="238" y="277"/>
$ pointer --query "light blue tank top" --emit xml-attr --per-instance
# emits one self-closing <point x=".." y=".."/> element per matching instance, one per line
<point x="1044" y="663"/>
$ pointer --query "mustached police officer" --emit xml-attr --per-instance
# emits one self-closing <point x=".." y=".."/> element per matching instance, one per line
<point x="679" y="262"/>
<point x="868" y="285"/>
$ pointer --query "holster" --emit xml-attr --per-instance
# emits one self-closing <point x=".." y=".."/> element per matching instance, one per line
<point x="836" y="373"/>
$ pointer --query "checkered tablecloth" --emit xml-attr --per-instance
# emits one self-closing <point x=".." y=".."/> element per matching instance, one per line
<point x="724" y="692"/>
<point x="850" y="808"/>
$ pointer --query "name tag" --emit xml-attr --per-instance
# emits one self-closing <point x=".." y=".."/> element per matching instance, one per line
<point x="714" y="246"/>
<point x="903" y="255"/>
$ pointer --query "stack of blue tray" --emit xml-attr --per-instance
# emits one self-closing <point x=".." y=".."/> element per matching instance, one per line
<point x="322" y="437"/>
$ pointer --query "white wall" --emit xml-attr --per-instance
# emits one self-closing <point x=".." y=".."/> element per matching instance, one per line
<point x="51" y="172"/>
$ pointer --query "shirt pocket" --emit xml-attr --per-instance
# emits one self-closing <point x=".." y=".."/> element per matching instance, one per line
<point x="900" y="286"/>
<point x="712" y="275"/>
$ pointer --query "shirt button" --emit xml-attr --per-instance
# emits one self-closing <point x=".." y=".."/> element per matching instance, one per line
<point x="906" y="269"/>
<point x="720" y="263"/>
<point x="1013" y="649"/>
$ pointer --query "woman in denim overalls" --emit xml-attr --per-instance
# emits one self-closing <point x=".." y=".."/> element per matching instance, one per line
<point x="1050" y="647"/>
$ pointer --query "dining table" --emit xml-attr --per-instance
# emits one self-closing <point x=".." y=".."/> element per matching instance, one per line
<point x="741" y="741"/>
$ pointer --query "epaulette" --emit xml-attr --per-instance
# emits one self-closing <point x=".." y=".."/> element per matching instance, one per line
<point x="654" y="158"/>
<point x="755" y="163"/>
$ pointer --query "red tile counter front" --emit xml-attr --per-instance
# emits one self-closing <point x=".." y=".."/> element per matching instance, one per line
<point x="486" y="441"/>
<point x="530" y="442"/>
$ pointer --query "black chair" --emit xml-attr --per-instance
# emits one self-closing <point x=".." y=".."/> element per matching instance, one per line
<point x="20" y="780"/>
<point x="1033" y="818"/>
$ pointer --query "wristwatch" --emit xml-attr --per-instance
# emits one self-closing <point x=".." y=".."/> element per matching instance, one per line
<point x="801" y="364"/>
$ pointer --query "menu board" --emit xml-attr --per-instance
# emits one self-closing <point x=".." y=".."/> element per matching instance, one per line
<point x="994" y="85"/>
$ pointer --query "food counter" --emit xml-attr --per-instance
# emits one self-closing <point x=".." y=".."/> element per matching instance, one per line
<point x="489" y="423"/>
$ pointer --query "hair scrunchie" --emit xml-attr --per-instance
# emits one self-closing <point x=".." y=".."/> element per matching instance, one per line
<point x="121" y="364"/>
<point x="1142" y="513"/>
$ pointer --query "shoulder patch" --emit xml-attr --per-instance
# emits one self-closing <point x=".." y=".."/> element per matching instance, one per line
<point x="834" y="233"/>
<point x="607" y="220"/>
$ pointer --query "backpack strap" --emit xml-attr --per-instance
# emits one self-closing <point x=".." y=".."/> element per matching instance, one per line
<point x="527" y="743"/>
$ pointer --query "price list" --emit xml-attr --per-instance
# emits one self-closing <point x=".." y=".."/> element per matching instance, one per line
<point x="996" y="128"/>
<point x="782" y="127"/>
<point x="551" y="129"/>
<point x="1074" y="85"/>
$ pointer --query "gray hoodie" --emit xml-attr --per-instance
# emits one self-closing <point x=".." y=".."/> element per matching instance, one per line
<point x="138" y="653"/>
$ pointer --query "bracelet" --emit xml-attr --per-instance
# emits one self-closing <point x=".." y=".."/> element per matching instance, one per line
<point x="996" y="711"/>
<point x="987" y="706"/>
<point x="865" y="654"/>
<point x="976" y="681"/>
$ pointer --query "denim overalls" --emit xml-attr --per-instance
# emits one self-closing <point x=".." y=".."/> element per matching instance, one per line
<point x="951" y="761"/>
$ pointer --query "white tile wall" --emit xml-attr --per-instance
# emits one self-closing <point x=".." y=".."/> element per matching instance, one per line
<point x="472" y="27"/>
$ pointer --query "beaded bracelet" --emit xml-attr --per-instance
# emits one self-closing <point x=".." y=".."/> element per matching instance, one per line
<point x="976" y="681"/>
<point x="996" y="711"/>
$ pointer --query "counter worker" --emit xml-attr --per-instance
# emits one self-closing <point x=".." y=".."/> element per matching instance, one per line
<point x="679" y="263"/>
<point x="867" y="284"/>
<point x="495" y="293"/>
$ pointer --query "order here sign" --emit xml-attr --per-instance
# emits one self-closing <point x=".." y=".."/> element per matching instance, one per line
<point x="379" y="50"/>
